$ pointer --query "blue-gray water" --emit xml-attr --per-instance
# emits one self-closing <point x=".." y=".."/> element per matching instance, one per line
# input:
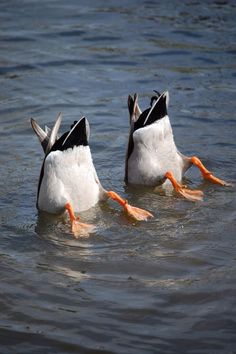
<point x="162" y="286"/>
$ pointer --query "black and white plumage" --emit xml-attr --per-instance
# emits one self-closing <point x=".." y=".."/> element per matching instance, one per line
<point x="151" y="148"/>
<point x="68" y="178"/>
<point x="152" y="158"/>
<point x="68" y="173"/>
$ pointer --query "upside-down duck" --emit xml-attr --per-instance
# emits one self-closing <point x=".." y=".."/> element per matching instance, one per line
<point x="152" y="158"/>
<point x="68" y="180"/>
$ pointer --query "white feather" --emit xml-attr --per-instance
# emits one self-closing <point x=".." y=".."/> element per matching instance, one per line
<point x="69" y="176"/>
<point x="154" y="154"/>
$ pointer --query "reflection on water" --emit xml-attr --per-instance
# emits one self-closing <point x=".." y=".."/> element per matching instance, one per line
<point x="166" y="285"/>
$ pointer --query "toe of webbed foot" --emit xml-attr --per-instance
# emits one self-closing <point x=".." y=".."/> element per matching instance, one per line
<point x="81" y="229"/>
<point x="137" y="213"/>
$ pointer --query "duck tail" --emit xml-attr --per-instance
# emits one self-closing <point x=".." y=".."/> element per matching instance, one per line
<point x="48" y="136"/>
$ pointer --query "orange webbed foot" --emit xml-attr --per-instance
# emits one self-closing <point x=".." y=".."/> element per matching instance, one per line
<point x="207" y="174"/>
<point x="134" y="212"/>
<point x="189" y="194"/>
<point x="137" y="213"/>
<point x="192" y="195"/>
<point x="78" y="228"/>
<point x="81" y="229"/>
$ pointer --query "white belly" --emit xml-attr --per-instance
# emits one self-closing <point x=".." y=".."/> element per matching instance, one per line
<point x="154" y="154"/>
<point x="69" y="176"/>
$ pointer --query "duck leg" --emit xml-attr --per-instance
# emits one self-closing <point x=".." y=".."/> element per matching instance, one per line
<point x="193" y="195"/>
<point x="136" y="213"/>
<point x="78" y="228"/>
<point x="207" y="174"/>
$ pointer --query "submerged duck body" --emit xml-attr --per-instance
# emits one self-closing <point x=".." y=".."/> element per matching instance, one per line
<point x="57" y="186"/>
<point x="68" y="179"/>
<point x="152" y="157"/>
<point x="149" y="161"/>
<point x="68" y="173"/>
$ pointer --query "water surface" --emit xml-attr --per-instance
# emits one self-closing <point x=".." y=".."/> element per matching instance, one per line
<point x="164" y="286"/>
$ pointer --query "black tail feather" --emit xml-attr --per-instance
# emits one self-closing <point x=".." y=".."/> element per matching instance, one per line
<point x="157" y="111"/>
<point x="78" y="135"/>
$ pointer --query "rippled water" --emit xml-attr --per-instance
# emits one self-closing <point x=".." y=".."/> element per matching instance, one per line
<point x="164" y="286"/>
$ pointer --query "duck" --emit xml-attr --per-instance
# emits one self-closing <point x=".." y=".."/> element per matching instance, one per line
<point x="152" y="158"/>
<point x="68" y="181"/>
